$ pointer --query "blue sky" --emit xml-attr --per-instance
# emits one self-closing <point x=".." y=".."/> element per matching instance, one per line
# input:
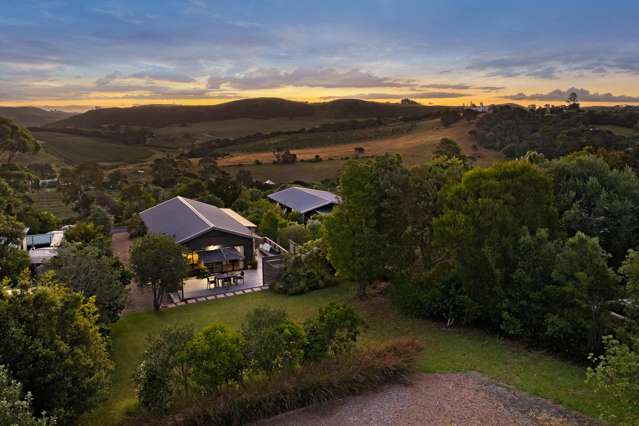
<point x="77" y="54"/>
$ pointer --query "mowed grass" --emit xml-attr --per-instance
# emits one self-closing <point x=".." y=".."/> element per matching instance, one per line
<point x="52" y="201"/>
<point x="446" y="350"/>
<point x="75" y="149"/>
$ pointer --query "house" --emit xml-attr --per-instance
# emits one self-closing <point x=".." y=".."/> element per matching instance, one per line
<point x="305" y="200"/>
<point x="220" y="239"/>
<point x="42" y="247"/>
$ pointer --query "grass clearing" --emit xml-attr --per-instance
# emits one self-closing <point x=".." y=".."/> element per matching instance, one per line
<point x="446" y="350"/>
<point x="78" y="149"/>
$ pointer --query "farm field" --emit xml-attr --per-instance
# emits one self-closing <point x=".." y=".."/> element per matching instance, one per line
<point x="51" y="200"/>
<point x="75" y="149"/>
<point x="446" y="350"/>
<point x="619" y="130"/>
<point x="178" y="136"/>
<point x="415" y="148"/>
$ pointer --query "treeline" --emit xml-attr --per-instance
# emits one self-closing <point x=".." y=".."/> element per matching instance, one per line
<point x="113" y="133"/>
<point x="535" y="251"/>
<point x="552" y="132"/>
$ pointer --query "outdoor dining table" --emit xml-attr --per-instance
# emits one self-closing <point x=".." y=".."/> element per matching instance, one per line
<point x="223" y="280"/>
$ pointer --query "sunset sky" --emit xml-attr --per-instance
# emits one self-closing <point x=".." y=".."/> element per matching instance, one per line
<point x="80" y="54"/>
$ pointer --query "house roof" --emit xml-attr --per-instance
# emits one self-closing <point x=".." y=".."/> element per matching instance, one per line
<point x="224" y="254"/>
<point x="304" y="200"/>
<point x="241" y="219"/>
<point x="185" y="219"/>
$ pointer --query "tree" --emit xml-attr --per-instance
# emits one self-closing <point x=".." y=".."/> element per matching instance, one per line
<point x="270" y="224"/>
<point x="84" y="269"/>
<point x="245" y="177"/>
<point x="584" y="291"/>
<point x="630" y="270"/>
<point x="15" y="408"/>
<point x="597" y="200"/>
<point x="164" y="375"/>
<point x="307" y="269"/>
<point x="165" y="172"/>
<point x="365" y="231"/>
<point x="158" y="262"/>
<point x="333" y="332"/>
<point x="572" y="99"/>
<point x="272" y="340"/>
<point x="485" y="216"/>
<point x="101" y="218"/>
<point x="16" y="139"/>
<point x="50" y="341"/>
<point x="447" y="148"/>
<point x="216" y="357"/>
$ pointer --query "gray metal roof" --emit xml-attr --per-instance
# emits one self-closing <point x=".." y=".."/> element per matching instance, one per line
<point x="185" y="219"/>
<point x="304" y="200"/>
<point x="224" y="254"/>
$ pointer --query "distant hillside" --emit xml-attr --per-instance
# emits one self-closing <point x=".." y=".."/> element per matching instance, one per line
<point x="260" y="108"/>
<point x="31" y="116"/>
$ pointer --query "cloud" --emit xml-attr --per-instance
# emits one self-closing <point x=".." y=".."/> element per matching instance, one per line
<point x="417" y="95"/>
<point x="270" y="78"/>
<point x="584" y="95"/>
<point x="446" y="86"/>
<point x="490" y="88"/>
<point x="148" y="76"/>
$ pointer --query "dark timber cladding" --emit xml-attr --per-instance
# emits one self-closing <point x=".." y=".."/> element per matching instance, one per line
<point x="198" y="225"/>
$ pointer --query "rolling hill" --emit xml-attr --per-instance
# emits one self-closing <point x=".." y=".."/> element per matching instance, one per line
<point x="259" y="108"/>
<point x="31" y="116"/>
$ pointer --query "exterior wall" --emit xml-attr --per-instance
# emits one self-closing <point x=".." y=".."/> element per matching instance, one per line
<point x="223" y="239"/>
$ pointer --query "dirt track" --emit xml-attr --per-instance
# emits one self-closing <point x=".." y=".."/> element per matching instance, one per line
<point x="436" y="399"/>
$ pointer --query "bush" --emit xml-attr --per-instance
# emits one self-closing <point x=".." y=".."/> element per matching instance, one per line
<point x="15" y="409"/>
<point x="272" y="340"/>
<point x="306" y="270"/>
<point x="136" y="227"/>
<point x="215" y="355"/>
<point x="333" y="332"/>
<point x="164" y="375"/>
<point x="314" y="383"/>
<point x="617" y="374"/>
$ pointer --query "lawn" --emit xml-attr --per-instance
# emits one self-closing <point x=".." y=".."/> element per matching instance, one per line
<point x="619" y="130"/>
<point x="77" y="149"/>
<point x="446" y="350"/>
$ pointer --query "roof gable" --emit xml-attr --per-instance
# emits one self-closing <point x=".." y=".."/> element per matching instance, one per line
<point x="184" y="219"/>
<point x="304" y="199"/>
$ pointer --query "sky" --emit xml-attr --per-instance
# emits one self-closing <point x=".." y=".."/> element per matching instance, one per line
<point x="77" y="55"/>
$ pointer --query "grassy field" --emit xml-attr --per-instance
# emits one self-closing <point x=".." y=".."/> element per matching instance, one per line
<point x="619" y="130"/>
<point x="177" y="136"/>
<point x="446" y="350"/>
<point x="51" y="200"/>
<point x="415" y="148"/>
<point x="77" y="149"/>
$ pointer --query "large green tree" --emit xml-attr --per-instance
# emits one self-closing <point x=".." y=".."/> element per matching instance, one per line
<point x="15" y="139"/>
<point x="485" y="216"/>
<point x="15" y="405"/>
<point x="51" y="343"/>
<point x="365" y="232"/>
<point x="597" y="200"/>
<point x="86" y="270"/>
<point x="158" y="263"/>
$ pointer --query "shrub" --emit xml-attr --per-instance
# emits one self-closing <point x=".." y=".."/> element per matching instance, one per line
<point x="215" y="354"/>
<point x="164" y="375"/>
<point x="15" y="409"/>
<point x="136" y="227"/>
<point x="617" y="373"/>
<point x="333" y="332"/>
<point x="272" y="340"/>
<point x="314" y="383"/>
<point x="306" y="270"/>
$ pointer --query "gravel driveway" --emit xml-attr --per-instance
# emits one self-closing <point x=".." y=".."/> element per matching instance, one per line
<point x="436" y="399"/>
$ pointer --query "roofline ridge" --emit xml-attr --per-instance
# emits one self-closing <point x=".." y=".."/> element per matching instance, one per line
<point x="159" y="204"/>
<point x="194" y="210"/>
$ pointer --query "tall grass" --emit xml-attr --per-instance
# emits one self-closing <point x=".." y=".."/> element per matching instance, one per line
<point x="314" y="383"/>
